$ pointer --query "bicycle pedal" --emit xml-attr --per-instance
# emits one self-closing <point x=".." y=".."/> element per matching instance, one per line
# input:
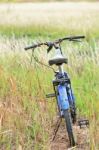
<point x="50" y="95"/>
<point x="82" y="123"/>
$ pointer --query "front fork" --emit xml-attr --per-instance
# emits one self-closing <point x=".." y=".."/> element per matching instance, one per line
<point x="62" y="97"/>
<point x="66" y="100"/>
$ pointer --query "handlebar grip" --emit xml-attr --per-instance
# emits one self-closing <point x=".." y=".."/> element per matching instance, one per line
<point x="79" y="37"/>
<point x="74" y="38"/>
<point x="30" y="47"/>
<point x="71" y="38"/>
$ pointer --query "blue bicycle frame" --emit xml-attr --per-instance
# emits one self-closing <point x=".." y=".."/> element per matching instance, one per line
<point x="65" y="96"/>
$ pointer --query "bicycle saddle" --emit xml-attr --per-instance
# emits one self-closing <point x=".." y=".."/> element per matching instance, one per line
<point x="58" y="59"/>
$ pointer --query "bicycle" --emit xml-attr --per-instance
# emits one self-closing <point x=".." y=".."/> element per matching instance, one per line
<point x="62" y="84"/>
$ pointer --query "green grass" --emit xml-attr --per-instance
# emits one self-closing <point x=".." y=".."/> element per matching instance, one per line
<point x="20" y="89"/>
<point x="26" y="117"/>
<point x="23" y="88"/>
<point x="50" y="20"/>
<point x="49" y="31"/>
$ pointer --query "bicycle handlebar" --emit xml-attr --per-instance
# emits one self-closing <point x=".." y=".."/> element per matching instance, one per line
<point x="34" y="46"/>
<point x="51" y="44"/>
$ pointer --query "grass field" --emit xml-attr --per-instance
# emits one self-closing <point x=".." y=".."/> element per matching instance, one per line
<point x="21" y="1"/>
<point x="53" y="19"/>
<point x="26" y="118"/>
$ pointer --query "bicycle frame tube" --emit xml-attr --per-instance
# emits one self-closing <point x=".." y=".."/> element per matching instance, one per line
<point x="62" y="97"/>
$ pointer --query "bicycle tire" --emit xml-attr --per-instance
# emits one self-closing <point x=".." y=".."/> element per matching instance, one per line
<point x="68" y="122"/>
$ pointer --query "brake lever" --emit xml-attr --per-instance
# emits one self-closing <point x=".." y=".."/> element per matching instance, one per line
<point x="50" y="46"/>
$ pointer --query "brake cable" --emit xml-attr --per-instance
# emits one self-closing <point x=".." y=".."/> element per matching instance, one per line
<point x="31" y="57"/>
<point x="39" y="62"/>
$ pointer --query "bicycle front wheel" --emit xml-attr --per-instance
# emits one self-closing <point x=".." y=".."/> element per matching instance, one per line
<point x="68" y="122"/>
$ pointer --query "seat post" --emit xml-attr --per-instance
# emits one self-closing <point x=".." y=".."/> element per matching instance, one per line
<point x="61" y="70"/>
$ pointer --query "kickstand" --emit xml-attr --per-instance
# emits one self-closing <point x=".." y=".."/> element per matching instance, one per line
<point x="56" y="127"/>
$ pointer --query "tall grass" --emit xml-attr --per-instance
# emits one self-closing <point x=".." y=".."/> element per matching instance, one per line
<point x="26" y="116"/>
<point x="24" y="113"/>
